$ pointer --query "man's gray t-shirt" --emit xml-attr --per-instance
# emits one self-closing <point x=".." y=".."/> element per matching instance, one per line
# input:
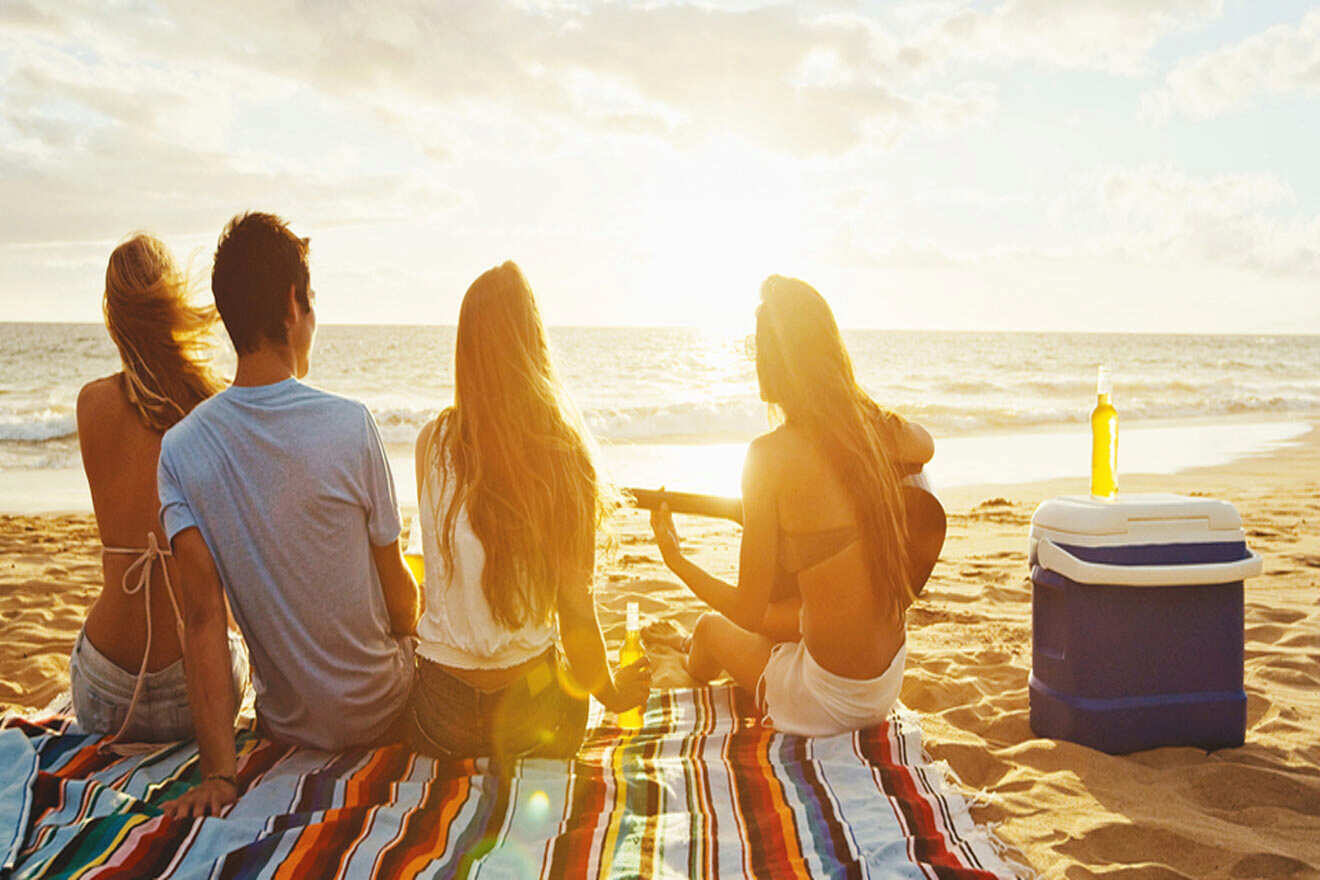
<point x="289" y="486"/>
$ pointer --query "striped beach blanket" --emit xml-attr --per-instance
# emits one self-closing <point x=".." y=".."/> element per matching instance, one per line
<point x="702" y="790"/>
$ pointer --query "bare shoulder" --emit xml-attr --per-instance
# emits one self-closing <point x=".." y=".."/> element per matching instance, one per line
<point x="768" y="448"/>
<point x="103" y="392"/>
<point x="100" y="400"/>
<point x="433" y="432"/>
<point x="424" y="436"/>
<point x="767" y="456"/>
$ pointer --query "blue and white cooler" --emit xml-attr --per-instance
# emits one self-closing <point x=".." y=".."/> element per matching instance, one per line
<point x="1137" y="629"/>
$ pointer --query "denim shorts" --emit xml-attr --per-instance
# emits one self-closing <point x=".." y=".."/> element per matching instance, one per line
<point x="102" y="691"/>
<point x="449" y="718"/>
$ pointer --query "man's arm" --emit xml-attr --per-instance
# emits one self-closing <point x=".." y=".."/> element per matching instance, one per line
<point x="210" y="685"/>
<point x="402" y="597"/>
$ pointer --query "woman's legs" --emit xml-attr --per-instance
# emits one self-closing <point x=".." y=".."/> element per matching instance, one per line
<point x="720" y="645"/>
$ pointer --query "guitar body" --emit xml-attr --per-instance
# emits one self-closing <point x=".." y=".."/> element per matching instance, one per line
<point x="927" y="527"/>
<point x="927" y="522"/>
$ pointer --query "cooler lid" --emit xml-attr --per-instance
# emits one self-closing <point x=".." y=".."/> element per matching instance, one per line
<point x="1130" y="518"/>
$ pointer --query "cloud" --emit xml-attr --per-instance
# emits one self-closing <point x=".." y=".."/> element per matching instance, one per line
<point x="801" y="79"/>
<point x="1113" y="36"/>
<point x="118" y="178"/>
<point x="684" y="71"/>
<point x="1144" y="216"/>
<point x="650" y="138"/>
<point x="22" y="14"/>
<point x="1282" y="60"/>
<point x="1236" y="220"/>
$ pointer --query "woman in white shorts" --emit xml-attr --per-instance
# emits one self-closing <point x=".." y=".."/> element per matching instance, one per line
<point x="815" y="625"/>
<point x="126" y="670"/>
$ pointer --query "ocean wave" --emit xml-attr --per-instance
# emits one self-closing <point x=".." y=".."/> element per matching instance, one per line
<point x="675" y="422"/>
<point x="740" y="419"/>
<point x="714" y="421"/>
<point x="400" y="424"/>
<point x="965" y="417"/>
<point x="37" y="426"/>
<point x="642" y="387"/>
<point x="1080" y="389"/>
<point x="37" y="457"/>
<point x="708" y="420"/>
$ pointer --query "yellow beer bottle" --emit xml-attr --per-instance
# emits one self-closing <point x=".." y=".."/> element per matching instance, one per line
<point x="413" y="555"/>
<point x="1104" y="439"/>
<point x="630" y="653"/>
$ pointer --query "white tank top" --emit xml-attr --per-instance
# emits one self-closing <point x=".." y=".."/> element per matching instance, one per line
<point x="457" y="628"/>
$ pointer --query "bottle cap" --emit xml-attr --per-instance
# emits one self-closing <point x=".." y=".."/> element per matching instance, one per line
<point x="634" y="618"/>
<point x="1103" y="383"/>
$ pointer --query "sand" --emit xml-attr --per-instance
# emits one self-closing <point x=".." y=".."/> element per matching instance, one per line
<point x="1069" y="811"/>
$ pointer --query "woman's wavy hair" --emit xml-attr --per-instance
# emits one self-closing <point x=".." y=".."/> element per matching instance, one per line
<point x="804" y="370"/>
<point x="164" y="339"/>
<point x="518" y="455"/>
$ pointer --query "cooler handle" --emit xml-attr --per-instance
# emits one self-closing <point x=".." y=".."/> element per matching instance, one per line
<point x="1055" y="558"/>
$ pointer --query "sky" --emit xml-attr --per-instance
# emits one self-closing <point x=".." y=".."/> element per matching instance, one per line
<point x="1115" y="165"/>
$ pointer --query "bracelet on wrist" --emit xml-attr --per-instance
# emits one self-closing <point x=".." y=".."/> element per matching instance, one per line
<point x="223" y="777"/>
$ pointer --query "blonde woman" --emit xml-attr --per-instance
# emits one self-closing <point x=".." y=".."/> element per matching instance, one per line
<point x="126" y="671"/>
<point x="509" y="505"/>
<point x="824" y="526"/>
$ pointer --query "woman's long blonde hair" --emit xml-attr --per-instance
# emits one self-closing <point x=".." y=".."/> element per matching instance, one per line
<point x="517" y="453"/>
<point x="164" y="340"/>
<point x="804" y="369"/>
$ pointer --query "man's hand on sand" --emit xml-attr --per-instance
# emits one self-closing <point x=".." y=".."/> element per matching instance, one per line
<point x="206" y="799"/>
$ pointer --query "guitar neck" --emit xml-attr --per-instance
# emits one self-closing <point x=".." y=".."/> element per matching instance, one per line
<point x="719" y="506"/>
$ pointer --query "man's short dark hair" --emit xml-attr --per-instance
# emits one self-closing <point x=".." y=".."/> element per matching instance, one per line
<point x="255" y="262"/>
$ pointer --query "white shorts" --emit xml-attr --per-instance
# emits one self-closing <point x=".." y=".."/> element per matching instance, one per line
<point x="797" y="695"/>
<point x="102" y="691"/>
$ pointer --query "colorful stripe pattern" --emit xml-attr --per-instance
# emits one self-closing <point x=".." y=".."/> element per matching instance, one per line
<point x="703" y="790"/>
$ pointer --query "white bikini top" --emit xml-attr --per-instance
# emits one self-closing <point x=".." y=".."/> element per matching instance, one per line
<point x="457" y="628"/>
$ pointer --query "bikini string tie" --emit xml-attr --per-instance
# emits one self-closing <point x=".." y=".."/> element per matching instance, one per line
<point x="144" y="565"/>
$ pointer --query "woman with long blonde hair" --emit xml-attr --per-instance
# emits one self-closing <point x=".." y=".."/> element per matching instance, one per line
<point x="126" y="671"/>
<point x="509" y="504"/>
<point x="824" y="533"/>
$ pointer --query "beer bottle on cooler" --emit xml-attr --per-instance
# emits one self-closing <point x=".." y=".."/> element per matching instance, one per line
<point x="1104" y="439"/>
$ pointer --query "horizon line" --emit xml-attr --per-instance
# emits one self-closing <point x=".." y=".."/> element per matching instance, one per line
<point x="848" y="329"/>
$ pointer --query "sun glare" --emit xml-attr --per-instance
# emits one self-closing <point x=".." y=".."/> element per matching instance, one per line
<point x="715" y="233"/>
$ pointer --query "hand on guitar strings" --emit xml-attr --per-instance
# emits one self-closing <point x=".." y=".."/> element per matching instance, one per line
<point x="666" y="536"/>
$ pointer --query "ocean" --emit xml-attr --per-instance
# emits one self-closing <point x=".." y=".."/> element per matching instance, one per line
<point x="676" y="406"/>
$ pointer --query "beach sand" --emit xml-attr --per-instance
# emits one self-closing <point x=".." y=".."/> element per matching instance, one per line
<point x="1069" y="811"/>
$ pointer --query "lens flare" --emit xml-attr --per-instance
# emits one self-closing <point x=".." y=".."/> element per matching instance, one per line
<point x="538" y="806"/>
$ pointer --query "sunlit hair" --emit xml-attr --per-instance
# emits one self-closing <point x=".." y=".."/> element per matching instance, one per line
<point x="804" y="370"/>
<point x="164" y="340"/>
<point x="519" y="456"/>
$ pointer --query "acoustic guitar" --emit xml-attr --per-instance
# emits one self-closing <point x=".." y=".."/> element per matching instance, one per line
<point x="927" y="522"/>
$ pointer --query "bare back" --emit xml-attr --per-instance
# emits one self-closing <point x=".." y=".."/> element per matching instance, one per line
<point x="119" y="454"/>
<point x="844" y="622"/>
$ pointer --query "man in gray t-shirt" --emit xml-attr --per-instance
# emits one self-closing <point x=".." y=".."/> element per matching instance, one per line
<point x="279" y="497"/>
<point x="290" y="489"/>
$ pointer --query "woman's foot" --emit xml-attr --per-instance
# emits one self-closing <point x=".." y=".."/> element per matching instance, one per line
<point x="666" y="634"/>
